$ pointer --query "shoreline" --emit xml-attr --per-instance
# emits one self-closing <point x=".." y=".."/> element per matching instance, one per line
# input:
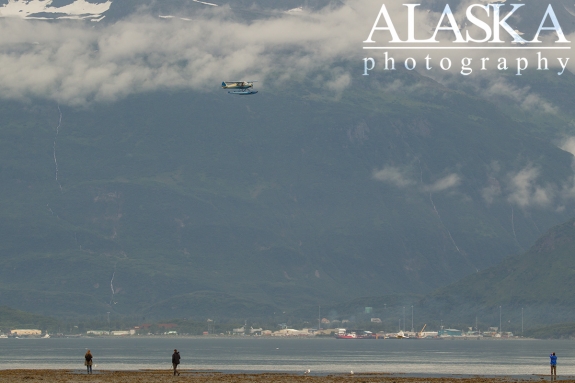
<point x="84" y="336"/>
<point x="205" y="376"/>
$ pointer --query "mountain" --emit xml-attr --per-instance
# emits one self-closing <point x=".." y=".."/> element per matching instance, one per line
<point x="114" y="10"/>
<point x="538" y="282"/>
<point x="189" y="203"/>
<point x="147" y="191"/>
<point x="55" y="9"/>
<point x="10" y="319"/>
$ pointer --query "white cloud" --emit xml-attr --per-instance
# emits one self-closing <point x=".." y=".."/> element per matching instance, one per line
<point x="394" y="176"/>
<point x="447" y="182"/>
<point x="568" y="144"/>
<point x="490" y="87"/>
<point x="400" y="177"/>
<point x="78" y="63"/>
<point x="525" y="192"/>
<point x="568" y="191"/>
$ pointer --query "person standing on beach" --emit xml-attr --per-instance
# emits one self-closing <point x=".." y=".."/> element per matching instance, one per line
<point x="176" y="361"/>
<point x="88" y="361"/>
<point x="553" y="362"/>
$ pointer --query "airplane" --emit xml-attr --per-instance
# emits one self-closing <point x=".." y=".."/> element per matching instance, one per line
<point x="241" y="88"/>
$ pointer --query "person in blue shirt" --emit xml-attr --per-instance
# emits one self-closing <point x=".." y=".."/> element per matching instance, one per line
<point x="553" y="362"/>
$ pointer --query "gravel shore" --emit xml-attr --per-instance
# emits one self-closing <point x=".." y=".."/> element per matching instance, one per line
<point x="154" y="376"/>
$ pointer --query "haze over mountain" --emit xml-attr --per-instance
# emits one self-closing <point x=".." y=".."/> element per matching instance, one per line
<point x="539" y="282"/>
<point x="132" y="184"/>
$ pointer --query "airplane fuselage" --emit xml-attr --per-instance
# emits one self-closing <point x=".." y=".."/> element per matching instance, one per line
<point x="237" y="85"/>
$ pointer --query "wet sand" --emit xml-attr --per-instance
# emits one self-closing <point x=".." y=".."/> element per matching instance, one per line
<point x="153" y="376"/>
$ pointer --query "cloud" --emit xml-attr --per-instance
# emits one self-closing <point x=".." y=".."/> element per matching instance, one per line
<point x="400" y="178"/>
<point x="568" y="191"/>
<point x="394" y="176"/>
<point x="522" y="96"/>
<point x="568" y="144"/>
<point x="447" y="182"/>
<point x="524" y="189"/>
<point x="489" y="193"/>
<point x="78" y="63"/>
<point x="525" y="192"/>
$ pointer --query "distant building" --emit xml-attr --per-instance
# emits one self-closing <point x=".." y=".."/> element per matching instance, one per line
<point x="26" y="332"/>
<point x="292" y="332"/>
<point x="97" y="332"/>
<point x="492" y="332"/>
<point x="375" y="320"/>
<point x="449" y="332"/>
<point x="123" y="333"/>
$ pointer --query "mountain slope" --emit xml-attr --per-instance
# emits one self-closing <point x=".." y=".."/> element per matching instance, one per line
<point x="280" y="200"/>
<point x="539" y="281"/>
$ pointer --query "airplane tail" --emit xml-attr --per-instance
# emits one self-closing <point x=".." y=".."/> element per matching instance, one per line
<point x="223" y="84"/>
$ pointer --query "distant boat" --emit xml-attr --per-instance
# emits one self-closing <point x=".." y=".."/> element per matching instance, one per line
<point x="356" y="334"/>
<point x="349" y="335"/>
<point x="402" y="335"/>
<point x="46" y="336"/>
<point x="3" y="336"/>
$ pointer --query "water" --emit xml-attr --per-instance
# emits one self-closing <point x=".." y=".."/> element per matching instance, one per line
<point x="321" y="356"/>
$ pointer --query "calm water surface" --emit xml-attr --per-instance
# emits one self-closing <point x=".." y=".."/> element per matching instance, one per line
<point x="442" y="357"/>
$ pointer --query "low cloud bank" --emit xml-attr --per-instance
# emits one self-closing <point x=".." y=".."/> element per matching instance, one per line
<point x="80" y="62"/>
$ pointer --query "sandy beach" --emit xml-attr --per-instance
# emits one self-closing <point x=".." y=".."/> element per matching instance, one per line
<point x="67" y="376"/>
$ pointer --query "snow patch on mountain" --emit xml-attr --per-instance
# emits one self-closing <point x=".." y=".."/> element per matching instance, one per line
<point x="203" y="2"/>
<point x="44" y="9"/>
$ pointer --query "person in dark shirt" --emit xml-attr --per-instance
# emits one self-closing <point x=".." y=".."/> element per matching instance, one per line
<point x="175" y="362"/>
<point x="553" y="362"/>
<point x="88" y="362"/>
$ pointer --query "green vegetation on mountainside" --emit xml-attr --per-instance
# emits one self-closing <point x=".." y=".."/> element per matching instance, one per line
<point x="11" y="319"/>
<point x="556" y="331"/>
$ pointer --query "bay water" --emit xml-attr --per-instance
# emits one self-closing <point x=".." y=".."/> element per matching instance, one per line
<point x="320" y="356"/>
